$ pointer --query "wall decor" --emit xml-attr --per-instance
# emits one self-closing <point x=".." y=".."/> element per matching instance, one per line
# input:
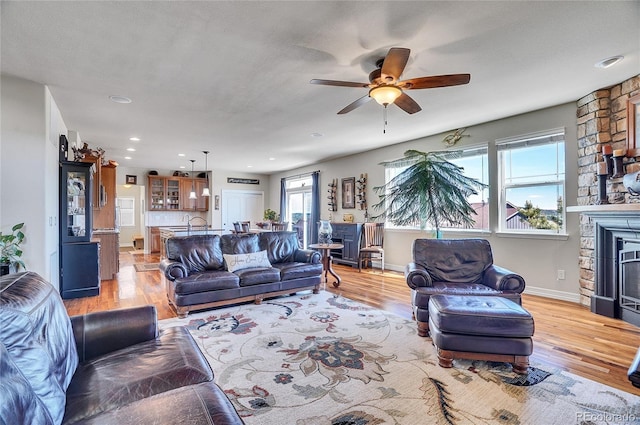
<point x="361" y="186"/>
<point x="454" y="137"/>
<point x="349" y="192"/>
<point x="131" y="179"/>
<point x="333" y="196"/>
<point x="216" y="202"/>
<point x="242" y="181"/>
<point x="633" y="126"/>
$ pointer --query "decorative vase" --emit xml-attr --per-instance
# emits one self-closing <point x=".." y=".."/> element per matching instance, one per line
<point x="324" y="232"/>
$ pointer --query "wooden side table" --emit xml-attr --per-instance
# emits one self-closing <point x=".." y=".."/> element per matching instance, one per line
<point x="325" y="250"/>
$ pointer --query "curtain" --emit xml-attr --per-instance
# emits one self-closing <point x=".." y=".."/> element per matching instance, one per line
<point x="283" y="199"/>
<point x="315" y="207"/>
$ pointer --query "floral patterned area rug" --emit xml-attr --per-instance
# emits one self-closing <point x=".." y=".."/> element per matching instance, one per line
<point x="324" y="359"/>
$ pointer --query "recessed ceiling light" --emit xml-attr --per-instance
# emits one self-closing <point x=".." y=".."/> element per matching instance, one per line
<point x="180" y="154"/>
<point x="182" y="167"/>
<point x="119" y="99"/>
<point x="606" y="63"/>
<point x="249" y="166"/>
<point x="317" y="134"/>
<point x="131" y="149"/>
<point x="272" y="159"/>
<point x="134" y="139"/>
<point x="127" y="157"/>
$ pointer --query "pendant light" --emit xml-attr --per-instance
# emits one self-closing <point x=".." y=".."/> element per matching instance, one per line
<point x="193" y="195"/>
<point x="205" y="191"/>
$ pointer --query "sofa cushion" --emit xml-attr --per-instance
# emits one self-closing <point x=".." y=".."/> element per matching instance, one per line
<point x="256" y="276"/>
<point x="239" y="244"/>
<point x="173" y="360"/>
<point x="281" y="246"/>
<point x="202" y="404"/>
<point x="37" y="335"/>
<point x="249" y="260"/>
<point x="454" y="260"/>
<point x="206" y="281"/>
<point x="290" y="271"/>
<point x="197" y="252"/>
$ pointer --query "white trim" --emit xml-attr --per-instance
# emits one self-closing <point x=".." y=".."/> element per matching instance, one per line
<point x="553" y="294"/>
<point x="550" y="236"/>
<point x="534" y="135"/>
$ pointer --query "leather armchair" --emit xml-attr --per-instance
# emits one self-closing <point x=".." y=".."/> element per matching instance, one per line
<point x="456" y="267"/>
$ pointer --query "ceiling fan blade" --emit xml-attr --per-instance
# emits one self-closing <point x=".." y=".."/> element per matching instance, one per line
<point x="364" y="99"/>
<point x="435" y="81"/>
<point x="395" y="62"/>
<point x="338" y="83"/>
<point x="407" y="104"/>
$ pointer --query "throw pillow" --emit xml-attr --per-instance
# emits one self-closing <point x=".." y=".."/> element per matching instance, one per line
<point x="246" y="261"/>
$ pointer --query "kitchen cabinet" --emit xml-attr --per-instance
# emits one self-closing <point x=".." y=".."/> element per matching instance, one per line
<point x="154" y="244"/>
<point x="109" y="253"/>
<point x="164" y="193"/>
<point x="96" y="160"/>
<point x="172" y="194"/>
<point x="105" y="217"/>
<point x="78" y="254"/>
<point x="201" y="203"/>
<point x="347" y="234"/>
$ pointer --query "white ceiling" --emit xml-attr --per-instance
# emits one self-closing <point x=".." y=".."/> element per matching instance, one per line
<point x="233" y="77"/>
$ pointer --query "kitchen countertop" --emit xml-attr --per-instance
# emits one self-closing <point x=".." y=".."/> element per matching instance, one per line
<point x="104" y="231"/>
<point x="171" y="231"/>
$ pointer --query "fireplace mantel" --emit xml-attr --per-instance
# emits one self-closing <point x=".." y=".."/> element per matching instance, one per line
<point x="604" y="209"/>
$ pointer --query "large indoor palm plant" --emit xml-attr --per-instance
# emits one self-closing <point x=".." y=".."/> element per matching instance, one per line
<point x="431" y="190"/>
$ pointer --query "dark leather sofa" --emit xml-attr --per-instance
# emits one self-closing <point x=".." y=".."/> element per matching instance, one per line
<point x="456" y="267"/>
<point x="112" y="367"/>
<point x="198" y="276"/>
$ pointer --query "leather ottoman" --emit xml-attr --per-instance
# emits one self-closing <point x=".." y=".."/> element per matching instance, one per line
<point x="481" y="328"/>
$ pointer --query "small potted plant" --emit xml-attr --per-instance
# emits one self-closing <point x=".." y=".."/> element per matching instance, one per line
<point x="270" y="215"/>
<point x="10" y="251"/>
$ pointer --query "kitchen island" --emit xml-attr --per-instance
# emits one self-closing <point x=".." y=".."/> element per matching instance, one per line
<point x="174" y="231"/>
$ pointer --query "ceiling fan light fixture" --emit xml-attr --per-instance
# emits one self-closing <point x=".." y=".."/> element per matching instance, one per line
<point x="385" y="95"/>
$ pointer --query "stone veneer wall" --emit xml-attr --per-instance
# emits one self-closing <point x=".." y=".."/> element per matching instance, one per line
<point x="602" y="120"/>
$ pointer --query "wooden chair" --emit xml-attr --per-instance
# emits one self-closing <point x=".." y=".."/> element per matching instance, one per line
<point x="371" y="245"/>
<point x="276" y="227"/>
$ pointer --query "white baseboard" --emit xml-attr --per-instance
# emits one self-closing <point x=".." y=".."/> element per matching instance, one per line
<point x="552" y="293"/>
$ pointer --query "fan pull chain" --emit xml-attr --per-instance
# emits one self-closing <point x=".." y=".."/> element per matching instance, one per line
<point x="384" y="119"/>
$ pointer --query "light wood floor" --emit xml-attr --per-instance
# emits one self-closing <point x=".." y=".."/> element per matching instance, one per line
<point x="567" y="336"/>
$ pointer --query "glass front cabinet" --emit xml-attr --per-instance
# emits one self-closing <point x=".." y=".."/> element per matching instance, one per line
<point x="75" y="205"/>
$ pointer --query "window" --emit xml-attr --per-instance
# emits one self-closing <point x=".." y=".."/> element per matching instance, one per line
<point x="474" y="161"/>
<point x="532" y="183"/>
<point x="127" y="217"/>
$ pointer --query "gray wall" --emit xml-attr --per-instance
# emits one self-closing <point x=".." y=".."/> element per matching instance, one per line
<point x="537" y="258"/>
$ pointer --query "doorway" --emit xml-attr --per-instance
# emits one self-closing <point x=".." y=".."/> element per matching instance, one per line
<point x="299" y="204"/>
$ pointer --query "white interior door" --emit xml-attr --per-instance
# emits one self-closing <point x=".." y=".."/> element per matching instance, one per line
<point x="241" y="205"/>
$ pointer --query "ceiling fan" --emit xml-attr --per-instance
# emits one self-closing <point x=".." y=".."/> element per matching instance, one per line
<point x="385" y="85"/>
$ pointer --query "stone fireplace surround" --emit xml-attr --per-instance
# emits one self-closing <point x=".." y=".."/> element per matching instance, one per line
<point x="601" y="120"/>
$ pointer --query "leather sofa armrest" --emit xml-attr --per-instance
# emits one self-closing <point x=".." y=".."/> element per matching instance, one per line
<point x="102" y="332"/>
<point x="417" y="276"/>
<point x="501" y="279"/>
<point x="173" y="269"/>
<point x="307" y="256"/>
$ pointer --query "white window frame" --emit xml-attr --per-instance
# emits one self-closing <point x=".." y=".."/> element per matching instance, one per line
<point x="558" y="178"/>
<point x="391" y="172"/>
